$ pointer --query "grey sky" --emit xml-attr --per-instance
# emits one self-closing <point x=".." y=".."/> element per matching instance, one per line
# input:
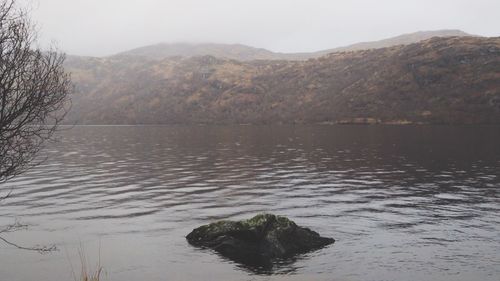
<point x="103" y="27"/>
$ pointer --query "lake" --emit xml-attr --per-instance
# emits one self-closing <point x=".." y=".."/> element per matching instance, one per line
<point x="402" y="202"/>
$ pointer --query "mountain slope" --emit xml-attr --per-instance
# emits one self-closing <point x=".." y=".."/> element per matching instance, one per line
<point x="441" y="80"/>
<point x="246" y="53"/>
<point x="403" y="39"/>
<point x="229" y="51"/>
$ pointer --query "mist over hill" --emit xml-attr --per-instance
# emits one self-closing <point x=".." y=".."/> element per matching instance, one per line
<point x="403" y="39"/>
<point x="438" y="80"/>
<point x="246" y="53"/>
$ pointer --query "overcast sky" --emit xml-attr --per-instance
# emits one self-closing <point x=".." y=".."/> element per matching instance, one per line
<point x="103" y="27"/>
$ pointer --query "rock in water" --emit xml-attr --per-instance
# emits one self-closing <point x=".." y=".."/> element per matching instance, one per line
<point x="257" y="240"/>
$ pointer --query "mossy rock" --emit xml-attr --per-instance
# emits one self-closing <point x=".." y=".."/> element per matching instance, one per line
<point x="257" y="240"/>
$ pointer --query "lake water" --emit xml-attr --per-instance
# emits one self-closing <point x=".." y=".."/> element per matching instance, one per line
<point x="403" y="202"/>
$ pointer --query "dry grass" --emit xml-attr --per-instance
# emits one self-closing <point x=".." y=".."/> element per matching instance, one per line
<point x="88" y="273"/>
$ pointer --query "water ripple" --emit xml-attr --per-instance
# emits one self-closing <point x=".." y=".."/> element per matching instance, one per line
<point x="393" y="209"/>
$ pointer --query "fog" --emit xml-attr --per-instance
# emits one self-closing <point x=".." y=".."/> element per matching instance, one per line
<point x="104" y="27"/>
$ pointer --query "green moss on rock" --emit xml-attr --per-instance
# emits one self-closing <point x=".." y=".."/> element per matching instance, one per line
<point x="261" y="238"/>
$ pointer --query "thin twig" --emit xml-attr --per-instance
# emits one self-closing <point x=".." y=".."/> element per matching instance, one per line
<point x="40" y="249"/>
<point x="14" y="227"/>
<point x="6" y="196"/>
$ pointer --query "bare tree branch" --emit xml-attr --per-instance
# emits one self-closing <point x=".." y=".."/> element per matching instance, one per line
<point x="20" y="226"/>
<point x="34" y="92"/>
<point x="6" y="196"/>
<point x="40" y="249"/>
<point x="13" y="227"/>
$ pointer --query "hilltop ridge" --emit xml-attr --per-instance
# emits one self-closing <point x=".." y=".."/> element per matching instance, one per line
<point x="247" y="53"/>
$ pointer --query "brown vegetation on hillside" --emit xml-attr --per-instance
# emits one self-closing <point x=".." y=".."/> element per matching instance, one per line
<point x="440" y="80"/>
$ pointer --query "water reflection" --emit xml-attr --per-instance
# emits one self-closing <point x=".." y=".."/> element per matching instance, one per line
<point x="259" y="265"/>
<point x="402" y="202"/>
<point x="267" y="267"/>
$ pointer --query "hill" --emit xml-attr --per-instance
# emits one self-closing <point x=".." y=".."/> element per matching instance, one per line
<point x="403" y="39"/>
<point x="247" y="53"/>
<point x="229" y="51"/>
<point x="440" y="80"/>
